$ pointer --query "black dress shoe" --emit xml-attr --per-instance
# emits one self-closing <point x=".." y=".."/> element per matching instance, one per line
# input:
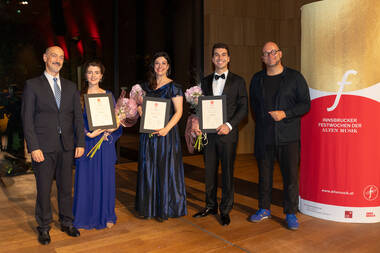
<point x="160" y="219"/>
<point x="205" y="212"/>
<point x="44" y="237"/>
<point x="70" y="230"/>
<point x="225" y="219"/>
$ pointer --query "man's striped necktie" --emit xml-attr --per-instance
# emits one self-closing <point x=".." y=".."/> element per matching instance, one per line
<point x="57" y="92"/>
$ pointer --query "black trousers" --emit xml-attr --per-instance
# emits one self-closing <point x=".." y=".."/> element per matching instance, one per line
<point x="56" y="165"/>
<point x="288" y="158"/>
<point x="214" y="152"/>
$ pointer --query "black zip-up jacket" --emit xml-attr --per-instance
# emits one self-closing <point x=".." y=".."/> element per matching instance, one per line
<point x="292" y="97"/>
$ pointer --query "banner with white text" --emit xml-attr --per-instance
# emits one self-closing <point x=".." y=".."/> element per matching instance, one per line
<point x="340" y="136"/>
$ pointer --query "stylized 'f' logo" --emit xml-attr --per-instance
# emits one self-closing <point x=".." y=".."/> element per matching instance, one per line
<point x="370" y="192"/>
<point x="341" y="86"/>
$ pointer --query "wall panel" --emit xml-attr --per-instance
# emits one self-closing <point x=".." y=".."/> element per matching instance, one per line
<point x="245" y="25"/>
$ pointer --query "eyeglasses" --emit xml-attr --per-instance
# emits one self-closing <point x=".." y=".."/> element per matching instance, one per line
<point x="272" y="52"/>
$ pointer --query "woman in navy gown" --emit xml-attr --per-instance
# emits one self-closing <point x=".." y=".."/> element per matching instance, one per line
<point x="94" y="188"/>
<point x="160" y="184"/>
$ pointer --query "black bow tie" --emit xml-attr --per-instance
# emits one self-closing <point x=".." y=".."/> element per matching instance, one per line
<point x="223" y="76"/>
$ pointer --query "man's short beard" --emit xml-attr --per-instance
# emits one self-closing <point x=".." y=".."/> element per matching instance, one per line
<point x="274" y="64"/>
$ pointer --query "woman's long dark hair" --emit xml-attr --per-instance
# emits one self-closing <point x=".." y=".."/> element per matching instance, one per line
<point x="151" y="74"/>
<point x="94" y="63"/>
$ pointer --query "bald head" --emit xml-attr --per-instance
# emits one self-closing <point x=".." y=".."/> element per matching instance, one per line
<point x="270" y="45"/>
<point x="53" y="58"/>
<point x="272" y="57"/>
<point x="53" y="49"/>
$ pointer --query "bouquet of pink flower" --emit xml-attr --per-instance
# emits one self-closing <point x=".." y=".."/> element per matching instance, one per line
<point x="126" y="108"/>
<point x="192" y="94"/>
<point x="137" y="94"/>
<point x="194" y="137"/>
<point x="126" y="112"/>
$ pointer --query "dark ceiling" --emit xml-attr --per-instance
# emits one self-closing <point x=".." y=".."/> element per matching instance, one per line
<point x="26" y="12"/>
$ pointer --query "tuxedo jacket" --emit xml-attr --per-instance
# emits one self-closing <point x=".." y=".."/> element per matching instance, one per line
<point x="237" y="102"/>
<point x="45" y="126"/>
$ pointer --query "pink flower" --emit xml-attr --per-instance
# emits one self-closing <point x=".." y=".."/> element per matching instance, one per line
<point x="193" y="135"/>
<point x="137" y="94"/>
<point x="131" y="108"/>
<point x="126" y="110"/>
<point x="192" y="94"/>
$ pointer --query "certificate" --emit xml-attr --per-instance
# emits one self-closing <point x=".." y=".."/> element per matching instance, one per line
<point x="100" y="111"/>
<point x="213" y="112"/>
<point x="155" y="114"/>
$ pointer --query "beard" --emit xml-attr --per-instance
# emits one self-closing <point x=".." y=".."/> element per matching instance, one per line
<point x="273" y="63"/>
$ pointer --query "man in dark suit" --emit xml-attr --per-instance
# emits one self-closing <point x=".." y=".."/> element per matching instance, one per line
<point x="222" y="145"/>
<point x="279" y="97"/>
<point x="54" y="132"/>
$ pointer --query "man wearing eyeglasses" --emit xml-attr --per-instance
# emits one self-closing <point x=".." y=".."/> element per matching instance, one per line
<point x="279" y="96"/>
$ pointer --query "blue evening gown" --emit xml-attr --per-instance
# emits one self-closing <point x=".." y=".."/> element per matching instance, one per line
<point x="160" y="183"/>
<point x="94" y="188"/>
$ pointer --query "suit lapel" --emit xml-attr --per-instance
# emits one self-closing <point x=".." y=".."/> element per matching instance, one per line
<point x="227" y="85"/>
<point x="50" y="94"/>
<point x="209" y="92"/>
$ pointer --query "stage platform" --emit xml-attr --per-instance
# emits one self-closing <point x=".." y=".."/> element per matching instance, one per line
<point x="185" y="234"/>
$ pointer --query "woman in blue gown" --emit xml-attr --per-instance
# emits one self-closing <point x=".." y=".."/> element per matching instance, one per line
<point x="94" y="188"/>
<point x="160" y="184"/>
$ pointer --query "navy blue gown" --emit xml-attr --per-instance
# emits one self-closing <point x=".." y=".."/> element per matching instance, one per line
<point x="160" y="183"/>
<point x="94" y="188"/>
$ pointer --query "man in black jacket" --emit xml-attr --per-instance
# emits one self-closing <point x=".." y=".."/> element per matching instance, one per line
<point x="222" y="145"/>
<point x="279" y="96"/>
<point x="53" y="128"/>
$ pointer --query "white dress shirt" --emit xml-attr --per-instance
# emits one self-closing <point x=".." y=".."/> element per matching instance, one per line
<point x="218" y="87"/>
<point x="51" y="81"/>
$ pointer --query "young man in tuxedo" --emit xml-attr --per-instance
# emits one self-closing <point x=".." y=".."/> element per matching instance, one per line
<point x="53" y="128"/>
<point x="279" y="97"/>
<point x="222" y="145"/>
